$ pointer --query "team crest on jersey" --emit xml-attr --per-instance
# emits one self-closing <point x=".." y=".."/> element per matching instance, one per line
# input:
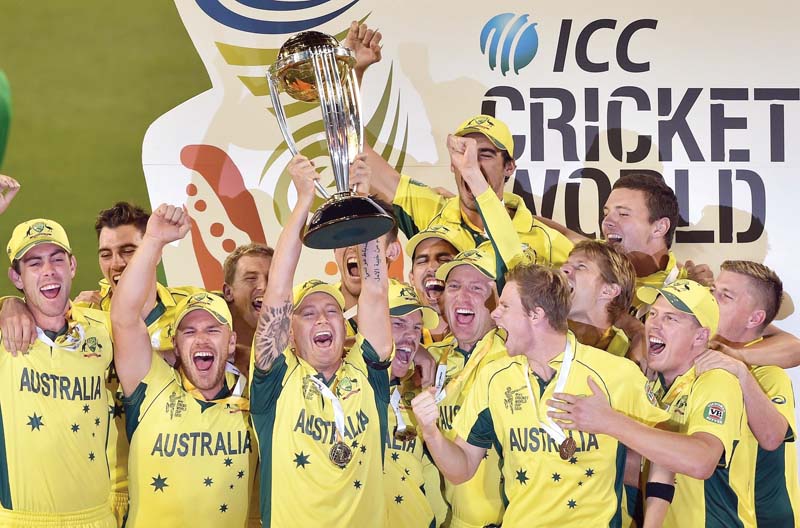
<point x="680" y="406"/>
<point x="91" y="347"/>
<point x="515" y="399"/>
<point x="347" y="387"/>
<point x="310" y="390"/>
<point x="176" y="405"/>
<point x="715" y="413"/>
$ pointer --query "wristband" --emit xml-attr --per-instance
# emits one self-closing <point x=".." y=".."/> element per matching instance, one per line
<point x="660" y="490"/>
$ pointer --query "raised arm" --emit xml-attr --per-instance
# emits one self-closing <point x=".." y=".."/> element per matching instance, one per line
<point x="272" y="332"/>
<point x="133" y="352"/>
<point x="496" y="220"/>
<point x="9" y="187"/>
<point x="660" y="481"/>
<point x="373" y="302"/>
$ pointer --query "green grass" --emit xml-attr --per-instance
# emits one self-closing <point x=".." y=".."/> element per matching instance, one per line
<point x="87" y="79"/>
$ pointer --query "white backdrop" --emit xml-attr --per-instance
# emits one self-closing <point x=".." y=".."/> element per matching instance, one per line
<point x="585" y="87"/>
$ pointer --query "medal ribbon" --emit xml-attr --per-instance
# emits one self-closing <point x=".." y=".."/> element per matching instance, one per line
<point x="553" y="429"/>
<point x="395" y="403"/>
<point x="235" y="398"/>
<point x="469" y="367"/>
<point x="338" y="412"/>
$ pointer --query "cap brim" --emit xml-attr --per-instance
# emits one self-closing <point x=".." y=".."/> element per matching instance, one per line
<point x="445" y="269"/>
<point x="648" y="294"/>
<point x="327" y="289"/>
<point x="21" y="252"/>
<point x="469" y="130"/>
<point x="220" y="319"/>
<point x="430" y="319"/>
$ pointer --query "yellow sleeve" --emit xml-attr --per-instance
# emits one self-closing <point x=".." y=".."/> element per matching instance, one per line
<point x="415" y="205"/>
<point x="502" y="234"/>
<point x="560" y="245"/>
<point x="716" y="407"/>
<point x="777" y="385"/>
<point x="474" y="423"/>
<point x="629" y="394"/>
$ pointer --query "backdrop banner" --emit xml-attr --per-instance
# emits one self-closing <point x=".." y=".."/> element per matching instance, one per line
<point x="590" y="90"/>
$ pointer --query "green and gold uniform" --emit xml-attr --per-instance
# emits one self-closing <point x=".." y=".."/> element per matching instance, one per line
<point x="417" y="206"/>
<point x="539" y="487"/>
<point x="192" y="461"/>
<point x="158" y="326"/>
<point x="710" y="403"/>
<point x="777" y="495"/>
<point x="659" y="279"/>
<point x="406" y="494"/>
<point x="55" y="412"/>
<point x="477" y="502"/>
<point x="773" y="474"/>
<point x="295" y="427"/>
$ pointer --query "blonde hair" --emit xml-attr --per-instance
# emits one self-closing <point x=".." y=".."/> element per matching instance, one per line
<point x="615" y="268"/>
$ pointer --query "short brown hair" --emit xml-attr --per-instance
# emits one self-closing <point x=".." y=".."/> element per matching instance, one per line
<point x="768" y="286"/>
<point x="122" y="213"/>
<point x="615" y="268"/>
<point x="545" y="288"/>
<point x="659" y="197"/>
<point x="232" y="260"/>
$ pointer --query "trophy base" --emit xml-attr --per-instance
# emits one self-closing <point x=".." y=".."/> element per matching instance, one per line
<point x="344" y="220"/>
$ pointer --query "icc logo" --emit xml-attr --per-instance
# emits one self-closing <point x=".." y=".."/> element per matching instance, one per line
<point x="520" y="35"/>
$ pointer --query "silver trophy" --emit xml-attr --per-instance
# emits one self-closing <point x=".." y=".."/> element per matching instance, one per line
<point x="312" y="66"/>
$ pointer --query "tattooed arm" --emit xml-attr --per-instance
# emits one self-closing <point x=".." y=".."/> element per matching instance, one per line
<point x="373" y="302"/>
<point x="272" y="333"/>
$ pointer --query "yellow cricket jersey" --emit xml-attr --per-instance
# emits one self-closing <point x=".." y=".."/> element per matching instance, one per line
<point x="417" y="206"/>
<point x="477" y="502"/>
<point x="406" y="500"/>
<point x="159" y="322"/>
<point x="542" y="489"/>
<point x="617" y="343"/>
<point x="710" y="403"/>
<point x="54" y="422"/>
<point x="192" y="462"/>
<point x="776" y="492"/>
<point x="658" y="279"/>
<point x="300" y="485"/>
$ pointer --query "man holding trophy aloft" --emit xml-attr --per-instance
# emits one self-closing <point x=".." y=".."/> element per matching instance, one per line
<point x="321" y="416"/>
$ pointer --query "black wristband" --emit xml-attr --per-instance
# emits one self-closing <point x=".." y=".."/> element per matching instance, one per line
<point x="660" y="490"/>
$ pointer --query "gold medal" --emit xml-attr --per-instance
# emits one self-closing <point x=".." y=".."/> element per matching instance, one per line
<point x="406" y="434"/>
<point x="341" y="454"/>
<point x="567" y="448"/>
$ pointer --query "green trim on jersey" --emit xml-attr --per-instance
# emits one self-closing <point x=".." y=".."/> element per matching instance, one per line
<point x="264" y="427"/>
<point x="773" y="505"/>
<point x="619" y="483"/>
<point x="404" y="222"/>
<point x="5" y="483"/>
<point x="718" y="492"/>
<point x="482" y="433"/>
<point x="158" y="310"/>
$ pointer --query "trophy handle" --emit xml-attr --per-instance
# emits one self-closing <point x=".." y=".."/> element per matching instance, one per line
<point x="284" y="126"/>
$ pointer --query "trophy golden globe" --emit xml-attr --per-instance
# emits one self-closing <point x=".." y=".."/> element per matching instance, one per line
<point x="313" y="67"/>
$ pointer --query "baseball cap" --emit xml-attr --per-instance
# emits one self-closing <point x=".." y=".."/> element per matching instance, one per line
<point x="403" y="300"/>
<point x="495" y="130"/>
<point x="479" y="259"/>
<point x="310" y="286"/>
<point x="35" y="232"/>
<point x="433" y="231"/>
<point x="689" y="297"/>
<point x="213" y="304"/>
